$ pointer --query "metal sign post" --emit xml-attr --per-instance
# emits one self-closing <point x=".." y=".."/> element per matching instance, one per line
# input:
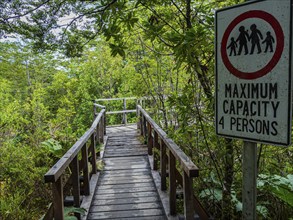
<point x="249" y="179"/>
<point x="249" y="174"/>
<point x="253" y="81"/>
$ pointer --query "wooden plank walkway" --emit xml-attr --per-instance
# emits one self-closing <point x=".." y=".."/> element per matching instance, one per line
<point x="126" y="188"/>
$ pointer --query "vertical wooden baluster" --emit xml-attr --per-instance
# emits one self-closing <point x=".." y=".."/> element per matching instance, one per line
<point x="137" y="117"/>
<point x="101" y="135"/>
<point x="86" y="181"/>
<point x="75" y="183"/>
<point x="141" y="123"/>
<point x="105" y="122"/>
<point x="172" y="183"/>
<point x="103" y="127"/>
<point x="144" y="127"/>
<point x="163" y="165"/>
<point x="97" y="134"/>
<point x="97" y="140"/>
<point x="150" y="140"/>
<point x="95" y="110"/>
<point x="188" y="197"/>
<point x="124" y="114"/>
<point x="58" y="199"/>
<point x="155" y="146"/>
<point x="94" y="155"/>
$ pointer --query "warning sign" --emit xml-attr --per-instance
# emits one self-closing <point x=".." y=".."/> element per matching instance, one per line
<point x="253" y="71"/>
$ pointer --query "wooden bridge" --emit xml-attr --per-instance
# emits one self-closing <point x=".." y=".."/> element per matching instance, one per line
<point x="136" y="173"/>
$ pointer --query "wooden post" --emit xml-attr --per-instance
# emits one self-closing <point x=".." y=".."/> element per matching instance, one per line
<point x="98" y="134"/>
<point x="94" y="155"/>
<point x="75" y="184"/>
<point x="86" y="178"/>
<point x="75" y="181"/>
<point x="124" y="114"/>
<point x="163" y="165"/>
<point x="150" y="139"/>
<point x="141" y="123"/>
<point x="155" y="147"/>
<point x="101" y="132"/>
<point x="58" y="199"/>
<point x="249" y="171"/>
<point x="144" y="127"/>
<point x="172" y="183"/>
<point x="138" y="117"/>
<point x="105" y="122"/>
<point x="188" y="197"/>
<point x="95" y="109"/>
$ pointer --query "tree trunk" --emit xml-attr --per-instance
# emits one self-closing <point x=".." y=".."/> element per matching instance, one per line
<point x="227" y="207"/>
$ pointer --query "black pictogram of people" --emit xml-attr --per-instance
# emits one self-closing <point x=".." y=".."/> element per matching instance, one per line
<point x="255" y="37"/>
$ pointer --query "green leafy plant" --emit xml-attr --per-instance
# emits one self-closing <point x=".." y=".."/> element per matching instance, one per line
<point x="70" y="211"/>
<point x="281" y="187"/>
<point x="53" y="147"/>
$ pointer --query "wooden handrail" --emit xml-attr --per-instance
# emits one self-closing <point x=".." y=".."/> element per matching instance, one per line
<point x="94" y="135"/>
<point x="189" y="167"/>
<point x="58" y="169"/>
<point x="99" y="106"/>
<point x="158" y="139"/>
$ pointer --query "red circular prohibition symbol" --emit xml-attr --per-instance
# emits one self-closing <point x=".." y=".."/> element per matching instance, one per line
<point x="279" y="44"/>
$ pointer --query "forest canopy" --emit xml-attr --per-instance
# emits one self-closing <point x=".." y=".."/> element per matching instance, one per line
<point x="57" y="56"/>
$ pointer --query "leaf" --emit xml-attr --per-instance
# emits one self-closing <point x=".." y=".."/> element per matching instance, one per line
<point x="279" y="186"/>
<point x="69" y="211"/>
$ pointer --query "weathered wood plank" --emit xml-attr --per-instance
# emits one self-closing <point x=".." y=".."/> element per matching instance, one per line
<point x="126" y="154"/>
<point x="126" y="190"/>
<point x="124" y="172"/>
<point x="133" y="158"/>
<point x="125" y="201"/>
<point x="110" y="177"/>
<point x="126" y="195"/>
<point x="126" y="186"/>
<point x="123" y="162"/>
<point x="121" y="150"/>
<point x="159" y="217"/>
<point x="122" y="142"/>
<point x="122" y="207"/>
<point x="125" y="167"/>
<point x="127" y="181"/>
<point x="126" y="214"/>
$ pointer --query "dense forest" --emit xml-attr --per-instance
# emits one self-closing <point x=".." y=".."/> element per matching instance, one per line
<point x="56" y="57"/>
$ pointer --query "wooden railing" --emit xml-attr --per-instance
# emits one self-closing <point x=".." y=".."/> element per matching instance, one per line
<point x="124" y="110"/>
<point x="77" y="167"/>
<point x="171" y="156"/>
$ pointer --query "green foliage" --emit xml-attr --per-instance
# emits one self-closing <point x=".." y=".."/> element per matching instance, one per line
<point x="280" y="187"/>
<point x="70" y="211"/>
<point x="52" y="146"/>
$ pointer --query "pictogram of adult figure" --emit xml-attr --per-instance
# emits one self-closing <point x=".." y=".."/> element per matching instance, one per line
<point x="254" y="37"/>
<point x="242" y="38"/>
<point x="232" y="46"/>
<point x="269" y="40"/>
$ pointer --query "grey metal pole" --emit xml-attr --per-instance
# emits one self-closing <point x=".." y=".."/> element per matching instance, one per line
<point x="249" y="174"/>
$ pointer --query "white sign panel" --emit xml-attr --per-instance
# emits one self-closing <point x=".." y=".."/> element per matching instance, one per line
<point x="253" y="71"/>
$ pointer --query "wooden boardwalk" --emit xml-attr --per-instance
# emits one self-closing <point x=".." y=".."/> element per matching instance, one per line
<point x="126" y="189"/>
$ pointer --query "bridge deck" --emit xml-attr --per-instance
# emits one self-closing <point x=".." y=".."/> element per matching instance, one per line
<point x="126" y="188"/>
